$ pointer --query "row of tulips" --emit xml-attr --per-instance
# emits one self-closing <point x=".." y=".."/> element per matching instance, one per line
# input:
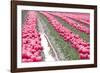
<point x="31" y="41"/>
<point x="73" y="23"/>
<point x="79" y="44"/>
<point x="85" y="18"/>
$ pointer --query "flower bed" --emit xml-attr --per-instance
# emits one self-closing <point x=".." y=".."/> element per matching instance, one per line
<point x="78" y="43"/>
<point x="71" y="22"/>
<point x="31" y="41"/>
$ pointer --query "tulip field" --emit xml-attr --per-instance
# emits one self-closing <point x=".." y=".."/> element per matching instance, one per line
<point x="55" y="36"/>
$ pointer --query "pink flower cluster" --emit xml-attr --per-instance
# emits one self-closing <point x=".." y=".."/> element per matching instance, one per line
<point x="79" y="44"/>
<point x="31" y="41"/>
<point x="73" y="23"/>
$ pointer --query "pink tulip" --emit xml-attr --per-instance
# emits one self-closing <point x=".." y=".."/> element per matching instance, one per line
<point x="83" y="56"/>
<point x="39" y="58"/>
